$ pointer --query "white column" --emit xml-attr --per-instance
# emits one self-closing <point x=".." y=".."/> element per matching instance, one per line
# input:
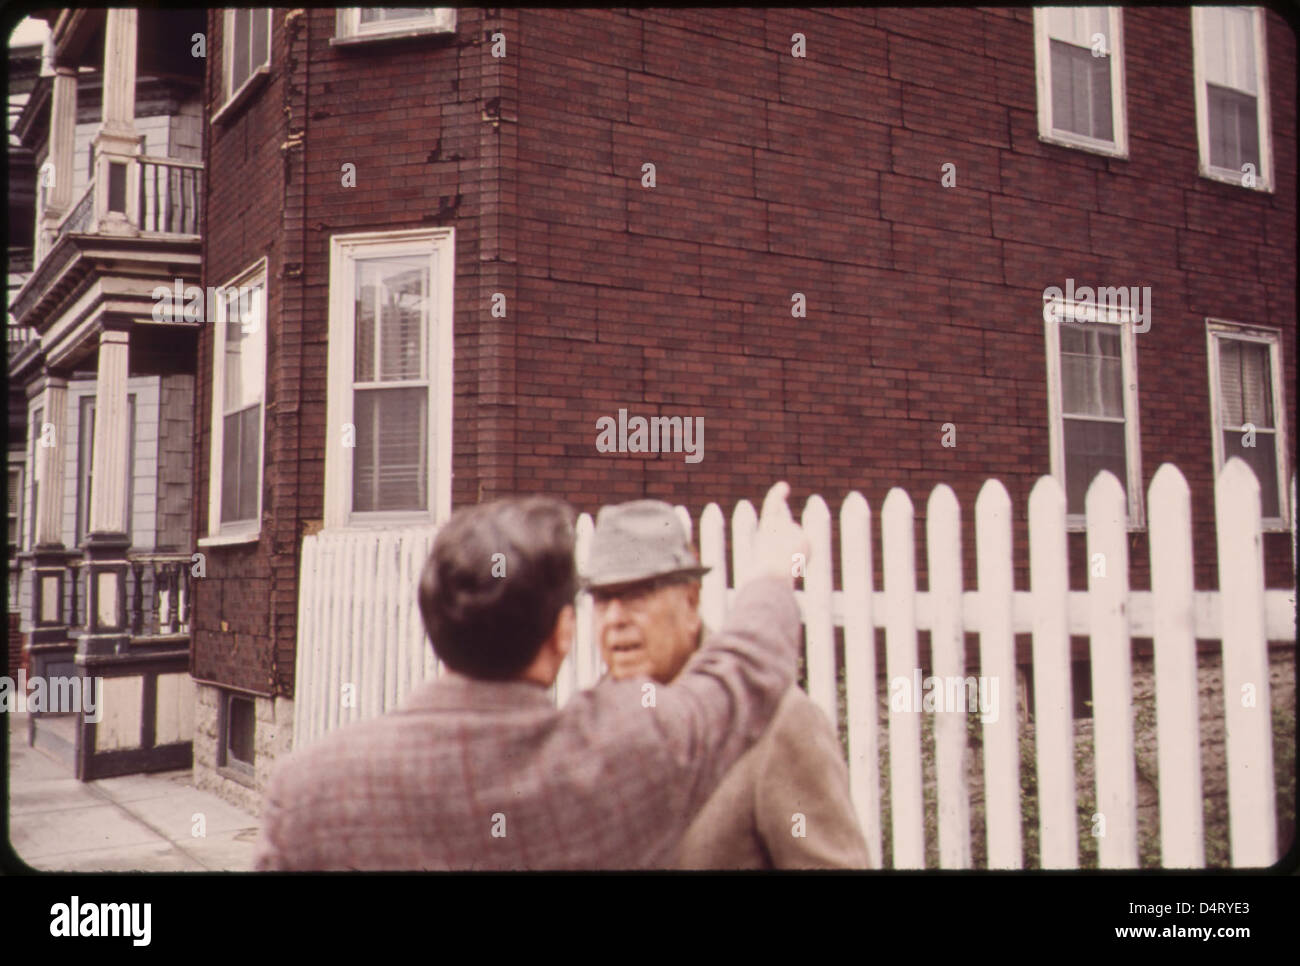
<point x="119" y="71"/>
<point x="116" y="143"/>
<point x="58" y="178"/>
<point x="50" y="462"/>
<point x="108" y="495"/>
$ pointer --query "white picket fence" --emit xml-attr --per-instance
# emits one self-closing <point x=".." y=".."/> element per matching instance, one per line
<point x="359" y="624"/>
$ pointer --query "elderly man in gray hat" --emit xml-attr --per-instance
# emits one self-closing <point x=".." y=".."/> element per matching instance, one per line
<point x="785" y="804"/>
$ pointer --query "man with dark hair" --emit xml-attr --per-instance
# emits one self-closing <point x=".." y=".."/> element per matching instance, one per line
<point x="479" y="770"/>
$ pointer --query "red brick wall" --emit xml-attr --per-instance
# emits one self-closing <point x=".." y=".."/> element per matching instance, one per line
<point x="822" y="176"/>
<point x="775" y="176"/>
<point x="409" y="116"/>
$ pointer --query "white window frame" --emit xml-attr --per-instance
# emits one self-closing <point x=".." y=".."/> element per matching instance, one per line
<point x="1263" y="177"/>
<point x="348" y="27"/>
<point x="228" y="61"/>
<point x="17" y="464"/>
<point x="1118" y="95"/>
<point x="243" y="531"/>
<point x="1085" y="312"/>
<point x="1217" y="330"/>
<point x="440" y="247"/>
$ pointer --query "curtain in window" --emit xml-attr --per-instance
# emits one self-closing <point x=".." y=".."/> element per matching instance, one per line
<point x="391" y="389"/>
<point x="1092" y="407"/>
<point x="1246" y="396"/>
<point x="383" y="14"/>
<point x="243" y="379"/>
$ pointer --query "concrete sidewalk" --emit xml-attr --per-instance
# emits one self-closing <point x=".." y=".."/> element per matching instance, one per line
<point x="136" y="822"/>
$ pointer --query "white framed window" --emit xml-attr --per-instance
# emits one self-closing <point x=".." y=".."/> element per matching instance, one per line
<point x="388" y="437"/>
<point x="1079" y="53"/>
<point x="246" y="49"/>
<point x="370" y="23"/>
<point x="1230" y="67"/>
<point x="1248" y="411"/>
<point x="1092" y="404"/>
<point x="238" y="409"/>
<point x="86" y="463"/>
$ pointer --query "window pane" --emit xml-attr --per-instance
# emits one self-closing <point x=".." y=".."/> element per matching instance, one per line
<point x="398" y="287"/>
<point x="1091" y="447"/>
<point x="261" y="52"/>
<point x="239" y="730"/>
<point x="244" y="355"/>
<point x="1228" y="36"/>
<point x="240" y="462"/>
<point x="383" y="14"/>
<point x="1262" y="458"/>
<point x="1092" y="375"/>
<point x="239" y="42"/>
<point x="391" y="457"/>
<point x="1234" y="128"/>
<point x="1081" y="99"/>
<point x="1245" y="384"/>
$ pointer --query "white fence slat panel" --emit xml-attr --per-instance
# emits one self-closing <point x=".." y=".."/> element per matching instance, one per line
<point x="586" y="648"/>
<point x="820" y="635"/>
<point x="1053" y="697"/>
<point x="860" y="669"/>
<point x="907" y="807"/>
<point x="684" y="515"/>
<point x="1178" y="744"/>
<point x="1106" y="510"/>
<point x="309" y="643"/>
<point x="744" y="526"/>
<point x="948" y="651"/>
<point x="420" y="656"/>
<point x="998" y="664"/>
<point x="713" y="554"/>
<point x="338" y="613"/>
<point x="391" y="590"/>
<point x="355" y="589"/>
<point x="368" y="691"/>
<point x="1248" y="723"/>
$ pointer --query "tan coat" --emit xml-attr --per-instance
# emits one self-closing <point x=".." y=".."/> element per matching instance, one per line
<point x="796" y="769"/>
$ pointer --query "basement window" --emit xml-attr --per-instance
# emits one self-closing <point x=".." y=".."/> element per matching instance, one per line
<point x="361" y="24"/>
<point x="237" y="730"/>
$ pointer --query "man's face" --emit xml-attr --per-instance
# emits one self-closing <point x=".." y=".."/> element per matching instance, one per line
<point x="647" y="629"/>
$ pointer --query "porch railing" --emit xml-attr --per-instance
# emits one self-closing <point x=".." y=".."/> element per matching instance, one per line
<point x="158" y="594"/>
<point x="171" y="194"/>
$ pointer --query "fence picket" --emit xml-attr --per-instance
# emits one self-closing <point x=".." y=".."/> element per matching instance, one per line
<point x="713" y="554"/>
<point x="1106" y="510"/>
<point x="1053" y="698"/>
<point x="948" y="650"/>
<point x="998" y="664"/>
<point x="744" y="526"/>
<point x="906" y="805"/>
<point x="817" y="582"/>
<point x="860" y="669"/>
<point x="1178" y="745"/>
<point x="1246" y="703"/>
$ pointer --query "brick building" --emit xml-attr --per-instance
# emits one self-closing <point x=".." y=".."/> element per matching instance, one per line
<point x="827" y="234"/>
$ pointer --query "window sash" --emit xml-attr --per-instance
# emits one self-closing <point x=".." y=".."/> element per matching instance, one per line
<point x="1250" y="394"/>
<point x="239" y="398"/>
<point x="1081" y="97"/>
<point x="248" y="33"/>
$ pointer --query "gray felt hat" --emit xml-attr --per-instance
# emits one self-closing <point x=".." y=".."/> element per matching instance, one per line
<point x="638" y="541"/>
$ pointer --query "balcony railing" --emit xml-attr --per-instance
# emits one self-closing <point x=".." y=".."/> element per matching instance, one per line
<point x="157" y="594"/>
<point x="171" y="194"/>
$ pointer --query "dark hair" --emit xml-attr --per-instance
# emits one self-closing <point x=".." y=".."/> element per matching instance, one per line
<point x="487" y="615"/>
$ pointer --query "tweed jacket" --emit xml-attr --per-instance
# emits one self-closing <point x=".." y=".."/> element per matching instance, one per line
<point x="473" y="774"/>
<point x="784" y="805"/>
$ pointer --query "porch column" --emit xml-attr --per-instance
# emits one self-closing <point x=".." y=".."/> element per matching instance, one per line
<point x="56" y="177"/>
<point x="107" y="541"/>
<point x="117" y="144"/>
<point x="49" y="556"/>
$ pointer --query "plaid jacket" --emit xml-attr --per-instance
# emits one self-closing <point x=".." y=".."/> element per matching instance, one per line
<point x="486" y="775"/>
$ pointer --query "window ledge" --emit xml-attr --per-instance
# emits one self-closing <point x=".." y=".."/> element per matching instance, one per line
<point x="254" y="83"/>
<point x="353" y="40"/>
<point x="230" y="539"/>
<point x="1091" y="147"/>
<point x="246" y="778"/>
<point x="1229" y="177"/>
